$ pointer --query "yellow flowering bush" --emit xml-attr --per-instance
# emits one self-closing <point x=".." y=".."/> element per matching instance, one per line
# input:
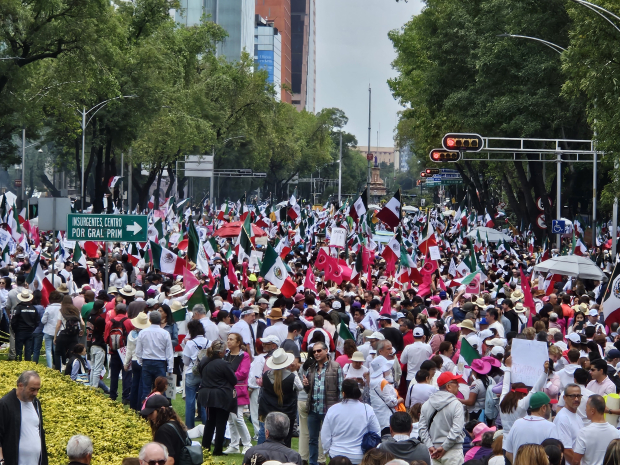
<point x="70" y="408"/>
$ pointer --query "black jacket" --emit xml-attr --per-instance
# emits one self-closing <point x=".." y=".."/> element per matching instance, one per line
<point x="217" y="386"/>
<point x="10" y="428"/>
<point x="273" y="450"/>
<point x="26" y="318"/>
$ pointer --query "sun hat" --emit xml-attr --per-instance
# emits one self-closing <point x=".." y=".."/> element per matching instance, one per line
<point x="418" y="332"/>
<point x="175" y="305"/>
<point x="480" y="302"/>
<point x="271" y="339"/>
<point x="482" y="367"/>
<point x="357" y="357"/>
<point x="539" y="399"/>
<point x="271" y="289"/>
<point x="367" y="333"/>
<point x="25" y="295"/>
<point x="299" y="297"/>
<point x="516" y="295"/>
<point x="380" y="365"/>
<point x="153" y="403"/>
<point x="467" y="324"/>
<point x="447" y="376"/>
<point x="376" y="335"/>
<point x="176" y="289"/>
<point x="128" y="291"/>
<point x="275" y="314"/>
<point x="141" y="321"/>
<point x="480" y="429"/>
<point x="112" y="290"/>
<point x="256" y="308"/>
<point x="262" y="300"/>
<point x="519" y="308"/>
<point x="62" y="288"/>
<point x="280" y="359"/>
<point x="493" y="361"/>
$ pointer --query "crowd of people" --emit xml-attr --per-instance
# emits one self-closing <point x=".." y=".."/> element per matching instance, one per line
<point x="364" y="369"/>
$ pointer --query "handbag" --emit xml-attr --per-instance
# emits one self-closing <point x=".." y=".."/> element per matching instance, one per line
<point x="190" y="455"/>
<point x="370" y="440"/>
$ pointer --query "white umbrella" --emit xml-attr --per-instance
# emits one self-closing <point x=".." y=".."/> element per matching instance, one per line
<point x="493" y="234"/>
<point x="410" y="209"/>
<point x="571" y="265"/>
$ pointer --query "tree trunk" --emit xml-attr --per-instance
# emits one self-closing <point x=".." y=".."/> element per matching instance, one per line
<point x="159" y="173"/>
<point x="170" y="184"/>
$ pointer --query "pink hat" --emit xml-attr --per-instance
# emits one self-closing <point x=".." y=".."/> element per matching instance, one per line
<point x="454" y="329"/>
<point x="384" y="289"/>
<point x="493" y="361"/>
<point x="467" y="296"/>
<point x="436" y="299"/>
<point x="480" y="366"/>
<point x="479" y="431"/>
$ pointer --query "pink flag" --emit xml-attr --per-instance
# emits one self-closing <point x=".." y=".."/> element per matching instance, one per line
<point x="310" y="281"/>
<point x="189" y="280"/>
<point x="387" y="305"/>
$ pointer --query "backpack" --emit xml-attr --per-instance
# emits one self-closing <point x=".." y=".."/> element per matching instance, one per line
<point x="491" y="402"/>
<point x="89" y="333"/>
<point x="118" y="334"/>
<point x="72" y="327"/>
<point x="202" y="353"/>
<point x="189" y="454"/>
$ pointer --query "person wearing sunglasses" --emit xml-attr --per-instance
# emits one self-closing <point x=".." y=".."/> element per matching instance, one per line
<point x="153" y="453"/>
<point x="568" y="422"/>
<point x="600" y="384"/>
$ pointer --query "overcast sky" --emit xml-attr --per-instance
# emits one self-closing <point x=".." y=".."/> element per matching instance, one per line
<point x="353" y="50"/>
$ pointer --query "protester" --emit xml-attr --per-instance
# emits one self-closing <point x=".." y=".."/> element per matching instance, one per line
<point x="80" y="450"/>
<point x="154" y="353"/>
<point x="400" y="443"/>
<point x="593" y="441"/>
<point x="193" y="345"/>
<point x="277" y="426"/>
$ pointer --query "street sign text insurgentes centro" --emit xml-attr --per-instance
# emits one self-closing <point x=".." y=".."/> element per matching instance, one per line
<point x="108" y="228"/>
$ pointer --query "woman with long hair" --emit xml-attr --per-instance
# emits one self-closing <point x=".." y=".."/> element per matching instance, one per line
<point x="159" y="388"/>
<point x="446" y="351"/>
<point x="168" y="323"/>
<point x="279" y="391"/>
<point x="579" y="320"/>
<point x="439" y="334"/>
<point x="612" y="454"/>
<point x="217" y="394"/>
<point x="96" y="280"/>
<point x="192" y="346"/>
<point x="478" y="388"/>
<point x="223" y="324"/>
<point x="68" y="329"/>
<point x="531" y="454"/>
<point x="347" y="422"/>
<point x="167" y="427"/>
<point x="515" y="398"/>
<point x="376" y="457"/>
<point x="119" y="278"/>
<point x="240" y="359"/>
<point x="95" y="329"/>
<point x="349" y="349"/>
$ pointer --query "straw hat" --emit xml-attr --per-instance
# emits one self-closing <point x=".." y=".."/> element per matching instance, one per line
<point x="25" y="295"/>
<point x="112" y="290"/>
<point x="275" y="314"/>
<point x="519" y="308"/>
<point x="175" y="305"/>
<point x="141" y="321"/>
<point x="357" y="357"/>
<point x="280" y="359"/>
<point x="176" y="289"/>
<point x="467" y="324"/>
<point x="128" y="291"/>
<point x="271" y="289"/>
<point x="480" y="302"/>
<point x="62" y="288"/>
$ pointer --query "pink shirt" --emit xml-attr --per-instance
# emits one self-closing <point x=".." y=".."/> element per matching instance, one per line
<point x="343" y="360"/>
<point x="602" y="389"/>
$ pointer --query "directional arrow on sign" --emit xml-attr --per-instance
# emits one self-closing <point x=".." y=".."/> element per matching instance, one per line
<point x="136" y="228"/>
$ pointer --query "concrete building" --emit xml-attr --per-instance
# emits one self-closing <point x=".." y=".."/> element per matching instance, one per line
<point x="278" y="13"/>
<point x="383" y="154"/>
<point x="303" y="45"/>
<point x="268" y="52"/>
<point x="235" y="16"/>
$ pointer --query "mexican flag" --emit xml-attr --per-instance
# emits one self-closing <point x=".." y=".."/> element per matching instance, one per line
<point x="391" y="214"/>
<point x="167" y="261"/>
<point x="468" y="352"/>
<point x="198" y="297"/>
<point x="343" y="335"/>
<point x="211" y="247"/>
<point x="45" y="286"/>
<point x="78" y="256"/>
<point x="274" y="271"/>
<point x="193" y="241"/>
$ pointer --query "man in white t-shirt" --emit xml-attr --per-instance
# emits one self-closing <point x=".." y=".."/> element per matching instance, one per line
<point x="494" y="323"/>
<point x="419" y="392"/>
<point x="416" y="353"/>
<point x="531" y="429"/>
<point x="22" y="438"/>
<point x="568" y="422"/>
<point x="592" y="441"/>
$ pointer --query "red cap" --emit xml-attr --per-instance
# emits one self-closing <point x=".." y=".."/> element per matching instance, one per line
<point x="446" y="377"/>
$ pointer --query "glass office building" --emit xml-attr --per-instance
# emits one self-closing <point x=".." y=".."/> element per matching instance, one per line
<point x="235" y="16"/>
<point x="268" y="52"/>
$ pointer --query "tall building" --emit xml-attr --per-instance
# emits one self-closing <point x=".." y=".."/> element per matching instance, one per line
<point x="303" y="46"/>
<point x="235" y="16"/>
<point x="278" y="13"/>
<point x="268" y="51"/>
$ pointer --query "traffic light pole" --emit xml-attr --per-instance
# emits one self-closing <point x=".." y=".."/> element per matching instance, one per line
<point x="368" y="157"/>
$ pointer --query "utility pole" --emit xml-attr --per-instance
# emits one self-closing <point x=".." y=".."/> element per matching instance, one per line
<point x="130" y="183"/>
<point x="122" y="181"/>
<point x="368" y="155"/>
<point x="340" y="173"/>
<point x="558" y="197"/>
<point x="23" y="164"/>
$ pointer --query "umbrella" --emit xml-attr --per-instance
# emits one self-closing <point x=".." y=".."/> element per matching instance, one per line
<point x="571" y="265"/>
<point x="493" y="234"/>
<point x="410" y="209"/>
<point x="233" y="230"/>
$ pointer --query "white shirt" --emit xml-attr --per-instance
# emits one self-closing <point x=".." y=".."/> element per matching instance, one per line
<point x="592" y="442"/>
<point x="499" y="328"/>
<point x="29" y="435"/>
<point x="528" y="430"/>
<point x="191" y="349"/>
<point x="413" y="355"/>
<point x="278" y="329"/>
<point x="212" y="332"/>
<point x="50" y="318"/>
<point x="154" y="343"/>
<point x="568" y="425"/>
<point x="224" y="330"/>
<point x="581" y="410"/>
<point x="242" y="328"/>
<point x="419" y="393"/>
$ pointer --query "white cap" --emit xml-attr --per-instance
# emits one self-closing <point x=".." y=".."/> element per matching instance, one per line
<point x="271" y="339"/>
<point x="336" y="305"/>
<point x="376" y="335"/>
<point x="418" y="332"/>
<point x="497" y="350"/>
<point x="593" y="312"/>
<point x="485" y="334"/>
<point x="574" y="337"/>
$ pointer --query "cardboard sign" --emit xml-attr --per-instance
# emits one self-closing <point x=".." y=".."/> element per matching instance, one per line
<point x="434" y="251"/>
<point x="338" y="237"/>
<point x="255" y="257"/>
<point x="528" y="361"/>
<point x="171" y="391"/>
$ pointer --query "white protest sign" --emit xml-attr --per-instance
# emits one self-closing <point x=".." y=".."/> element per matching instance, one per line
<point x="171" y="390"/>
<point x="528" y="361"/>
<point x="434" y="251"/>
<point x="338" y="237"/>
<point x="255" y="257"/>
<point x="5" y="237"/>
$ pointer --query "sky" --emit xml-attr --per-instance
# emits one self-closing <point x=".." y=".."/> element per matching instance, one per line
<point x="353" y="51"/>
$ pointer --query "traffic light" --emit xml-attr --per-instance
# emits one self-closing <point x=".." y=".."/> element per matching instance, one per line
<point x="423" y="174"/>
<point x="431" y="171"/>
<point x="463" y="142"/>
<point x="443" y="156"/>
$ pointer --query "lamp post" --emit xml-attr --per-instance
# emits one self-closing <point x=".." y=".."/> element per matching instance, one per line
<point x="555" y="47"/>
<point x="85" y="123"/>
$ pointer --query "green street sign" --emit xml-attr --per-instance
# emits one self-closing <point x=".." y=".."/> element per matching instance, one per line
<point x="451" y="182"/>
<point x="107" y="228"/>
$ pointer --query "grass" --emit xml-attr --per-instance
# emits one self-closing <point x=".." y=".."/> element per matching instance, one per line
<point x="179" y="406"/>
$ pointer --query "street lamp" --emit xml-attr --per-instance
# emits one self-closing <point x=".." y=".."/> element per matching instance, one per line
<point x="555" y="47"/>
<point x="598" y="10"/>
<point x="97" y="107"/>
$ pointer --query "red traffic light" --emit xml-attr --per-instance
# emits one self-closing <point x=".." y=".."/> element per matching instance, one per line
<point x="444" y="156"/>
<point x="463" y="142"/>
<point x="422" y="174"/>
<point x="430" y="171"/>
